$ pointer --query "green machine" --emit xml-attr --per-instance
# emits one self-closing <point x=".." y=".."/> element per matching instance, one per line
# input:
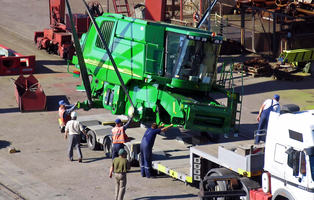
<point x="169" y="73"/>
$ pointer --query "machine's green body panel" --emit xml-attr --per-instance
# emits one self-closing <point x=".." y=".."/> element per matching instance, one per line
<point x="164" y="81"/>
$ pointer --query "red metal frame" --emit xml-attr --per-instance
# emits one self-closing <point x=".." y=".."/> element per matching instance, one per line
<point x="58" y="39"/>
<point x="121" y="4"/>
<point x="29" y="94"/>
<point x="16" y="64"/>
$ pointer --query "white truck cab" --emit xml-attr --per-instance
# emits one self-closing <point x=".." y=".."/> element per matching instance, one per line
<point x="289" y="156"/>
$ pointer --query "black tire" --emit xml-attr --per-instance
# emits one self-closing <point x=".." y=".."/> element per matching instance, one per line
<point x="219" y="185"/>
<point x="128" y="157"/>
<point x="107" y="147"/>
<point x="289" y="108"/>
<point x="91" y="140"/>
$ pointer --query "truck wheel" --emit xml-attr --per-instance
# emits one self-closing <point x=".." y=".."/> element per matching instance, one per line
<point x="107" y="146"/>
<point x="282" y="194"/>
<point x="214" y="186"/>
<point x="128" y="157"/>
<point x="91" y="141"/>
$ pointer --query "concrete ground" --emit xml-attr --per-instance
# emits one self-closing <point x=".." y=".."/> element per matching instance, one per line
<point x="41" y="170"/>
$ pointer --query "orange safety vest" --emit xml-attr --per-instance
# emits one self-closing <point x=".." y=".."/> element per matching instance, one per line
<point x="61" y="115"/>
<point x="119" y="136"/>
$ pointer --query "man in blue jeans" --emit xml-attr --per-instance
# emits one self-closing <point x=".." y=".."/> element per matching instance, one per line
<point x="263" y="115"/>
<point x="147" y="144"/>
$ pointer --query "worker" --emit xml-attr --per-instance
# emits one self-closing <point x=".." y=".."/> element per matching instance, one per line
<point x="119" y="167"/>
<point x="64" y="113"/>
<point x="119" y="136"/>
<point x="146" y="148"/>
<point x="73" y="129"/>
<point x="263" y="115"/>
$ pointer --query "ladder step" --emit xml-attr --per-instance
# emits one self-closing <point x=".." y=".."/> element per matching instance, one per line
<point x="122" y="6"/>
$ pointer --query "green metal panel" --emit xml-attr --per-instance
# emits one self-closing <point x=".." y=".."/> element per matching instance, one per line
<point x="139" y="49"/>
<point x="131" y="31"/>
<point x="297" y="55"/>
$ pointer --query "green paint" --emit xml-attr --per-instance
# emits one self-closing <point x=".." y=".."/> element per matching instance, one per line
<point x="169" y="70"/>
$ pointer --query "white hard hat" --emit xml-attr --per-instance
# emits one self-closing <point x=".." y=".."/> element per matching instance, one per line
<point x="73" y="114"/>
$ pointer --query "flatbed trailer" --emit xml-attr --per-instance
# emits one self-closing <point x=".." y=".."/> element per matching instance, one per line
<point x="174" y="152"/>
<point x="234" y="169"/>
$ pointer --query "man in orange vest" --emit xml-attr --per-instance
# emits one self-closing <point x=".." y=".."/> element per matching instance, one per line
<point x="119" y="136"/>
<point x="64" y="114"/>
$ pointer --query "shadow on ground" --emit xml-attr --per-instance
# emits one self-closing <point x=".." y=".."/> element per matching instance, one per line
<point x="4" y="144"/>
<point x="42" y="69"/>
<point x="269" y="86"/>
<point x="90" y="160"/>
<point x="180" y="196"/>
<point x="52" y="102"/>
<point x="9" y="110"/>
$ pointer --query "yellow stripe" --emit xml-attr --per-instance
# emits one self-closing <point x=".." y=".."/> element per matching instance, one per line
<point x="189" y="179"/>
<point x="125" y="71"/>
<point x="161" y="168"/>
<point x="173" y="174"/>
<point x="174" y="108"/>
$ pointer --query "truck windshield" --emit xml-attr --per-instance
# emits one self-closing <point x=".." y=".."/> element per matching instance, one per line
<point x="190" y="58"/>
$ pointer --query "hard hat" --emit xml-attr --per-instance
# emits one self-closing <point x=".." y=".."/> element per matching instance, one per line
<point x="122" y="152"/>
<point x="61" y="102"/>
<point x="277" y="97"/>
<point x="118" y="121"/>
<point x="73" y="114"/>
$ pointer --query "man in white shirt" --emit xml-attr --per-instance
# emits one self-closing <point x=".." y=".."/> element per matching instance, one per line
<point x="263" y="115"/>
<point x="73" y="130"/>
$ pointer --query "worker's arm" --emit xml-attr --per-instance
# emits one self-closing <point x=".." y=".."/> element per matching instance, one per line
<point x="161" y="125"/>
<point x="166" y="128"/>
<point x="83" y="130"/>
<point x="260" y="112"/>
<point x="111" y="171"/>
<point x="128" y="166"/>
<point x="66" y="134"/>
<point x="70" y="108"/>
<point x="128" y="123"/>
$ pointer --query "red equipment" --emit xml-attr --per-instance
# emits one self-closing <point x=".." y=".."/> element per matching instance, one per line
<point x="259" y="195"/>
<point x="121" y="7"/>
<point x="155" y="10"/>
<point x="29" y="94"/>
<point x="58" y="38"/>
<point x="13" y="63"/>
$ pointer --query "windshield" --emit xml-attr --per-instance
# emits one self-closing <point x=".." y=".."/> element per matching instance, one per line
<point x="190" y="59"/>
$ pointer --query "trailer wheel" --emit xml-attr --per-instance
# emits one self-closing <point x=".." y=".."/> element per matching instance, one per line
<point x="128" y="157"/>
<point x="91" y="140"/>
<point x="107" y="146"/>
<point x="214" y="186"/>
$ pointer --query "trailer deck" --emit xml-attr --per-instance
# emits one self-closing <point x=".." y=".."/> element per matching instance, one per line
<point x="174" y="151"/>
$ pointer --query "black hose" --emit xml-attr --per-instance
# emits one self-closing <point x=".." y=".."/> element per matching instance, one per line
<point x="80" y="57"/>
<point x="109" y="54"/>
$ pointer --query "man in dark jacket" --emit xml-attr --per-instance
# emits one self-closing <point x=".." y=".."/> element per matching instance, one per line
<point x="147" y="144"/>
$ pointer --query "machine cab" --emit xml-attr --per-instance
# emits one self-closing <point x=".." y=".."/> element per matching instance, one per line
<point x="191" y="59"/>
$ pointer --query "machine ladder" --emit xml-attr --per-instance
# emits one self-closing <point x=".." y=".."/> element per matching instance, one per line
<point x="226" y="80"/>
<point x="121" y="7"/>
